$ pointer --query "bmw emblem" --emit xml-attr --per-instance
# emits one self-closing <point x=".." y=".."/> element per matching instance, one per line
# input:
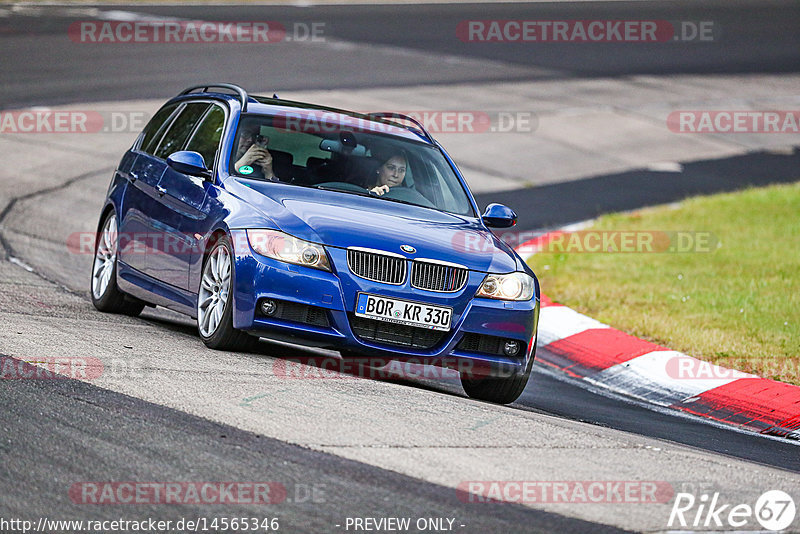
<point x="408" y="248"/>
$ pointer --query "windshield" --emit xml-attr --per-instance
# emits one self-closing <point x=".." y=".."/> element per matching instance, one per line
<point x="357" y="162"/>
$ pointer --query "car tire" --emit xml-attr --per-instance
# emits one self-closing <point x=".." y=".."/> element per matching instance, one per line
<point x="503" y="390"/>
<point x="106" y="295"/>
<point x="215" y="302"/>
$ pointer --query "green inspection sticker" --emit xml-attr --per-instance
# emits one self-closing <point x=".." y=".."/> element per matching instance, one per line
<point x="246" y="169"/>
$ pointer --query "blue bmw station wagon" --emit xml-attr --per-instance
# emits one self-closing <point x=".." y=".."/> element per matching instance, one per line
<point x="263" y="217"/>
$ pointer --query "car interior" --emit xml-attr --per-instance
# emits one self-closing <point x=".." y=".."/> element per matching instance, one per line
<point x="348" y="161"/>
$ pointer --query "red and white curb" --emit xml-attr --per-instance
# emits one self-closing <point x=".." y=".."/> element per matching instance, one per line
<point x="612" y="360"/>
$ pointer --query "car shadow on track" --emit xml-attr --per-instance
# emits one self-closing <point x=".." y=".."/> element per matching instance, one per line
<point x="303" y="362"/>
<point x="296" y="361"/>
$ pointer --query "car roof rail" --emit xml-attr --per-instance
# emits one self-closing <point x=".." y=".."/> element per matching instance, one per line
<point x="243" y="96"/>
<point x="395" y="115"/>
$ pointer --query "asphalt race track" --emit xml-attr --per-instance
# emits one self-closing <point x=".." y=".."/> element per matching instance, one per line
<point x="37" y="69"/>
<point x="370" y="448"/>
<point x="156" y="441"/>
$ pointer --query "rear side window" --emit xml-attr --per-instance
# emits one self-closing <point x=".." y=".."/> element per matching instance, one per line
<point x="156" y="125"/>
<point x="180" y="129"/>
<point x="206" y="138"/>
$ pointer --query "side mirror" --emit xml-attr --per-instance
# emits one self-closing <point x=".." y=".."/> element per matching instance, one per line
<point x="499" y="216"/>
<point x="188" y="162"/>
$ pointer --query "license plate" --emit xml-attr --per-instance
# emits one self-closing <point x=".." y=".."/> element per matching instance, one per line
<point x="403" y="312"/>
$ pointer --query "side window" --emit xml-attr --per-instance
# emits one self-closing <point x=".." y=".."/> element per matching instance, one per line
<point x="156" y="125"/>
<point x="180" y="129"/>
<point x="206" y="138"/>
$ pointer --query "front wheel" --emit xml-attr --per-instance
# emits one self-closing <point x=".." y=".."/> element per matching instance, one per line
<point x="215" y="302"/>
<point x="497" y="390"/>
<point x="106" y="295"/>
<point x="500" y="390"/>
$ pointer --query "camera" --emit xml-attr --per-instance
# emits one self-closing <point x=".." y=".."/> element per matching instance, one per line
<point x="260" y="140"/>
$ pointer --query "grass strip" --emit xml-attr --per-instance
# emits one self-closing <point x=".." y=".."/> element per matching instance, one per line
<point x="716" y="277"/>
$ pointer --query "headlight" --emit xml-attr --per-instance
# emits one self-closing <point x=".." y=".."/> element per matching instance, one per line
<point x="512" y="286"/>
<point x="283" y="247"/>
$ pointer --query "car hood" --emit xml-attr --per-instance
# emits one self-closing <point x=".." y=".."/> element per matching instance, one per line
<point x="345" y="220"/>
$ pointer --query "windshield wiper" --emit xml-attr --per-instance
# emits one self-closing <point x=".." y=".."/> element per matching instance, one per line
<point x="401" y="201"/>
<point x="372" y="195"/>
<point x="342" y="190"/>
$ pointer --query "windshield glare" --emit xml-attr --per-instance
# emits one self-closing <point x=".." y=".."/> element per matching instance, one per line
<point x="366" y="163"/>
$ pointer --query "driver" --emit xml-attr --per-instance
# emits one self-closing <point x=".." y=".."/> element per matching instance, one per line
<point x="390" y="173"/>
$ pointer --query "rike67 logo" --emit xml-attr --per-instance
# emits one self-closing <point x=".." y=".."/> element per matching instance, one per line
<point x="774" y="510"/>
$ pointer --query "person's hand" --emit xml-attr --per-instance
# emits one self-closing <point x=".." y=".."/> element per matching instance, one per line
<point x="266" y="166"/>
<point x="380" y="189"/>
<point x="255" y="154"/>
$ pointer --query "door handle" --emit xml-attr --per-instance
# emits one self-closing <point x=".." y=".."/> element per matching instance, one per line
<point x="133" y="176"/>
<point x="161" y="191"/>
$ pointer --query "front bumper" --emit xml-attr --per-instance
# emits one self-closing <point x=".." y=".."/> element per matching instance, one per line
<point x="334" y="294"/>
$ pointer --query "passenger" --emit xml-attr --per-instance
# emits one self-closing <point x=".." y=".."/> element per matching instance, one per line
<point x="390" y="174"/>
<point x="253" y="158"/>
